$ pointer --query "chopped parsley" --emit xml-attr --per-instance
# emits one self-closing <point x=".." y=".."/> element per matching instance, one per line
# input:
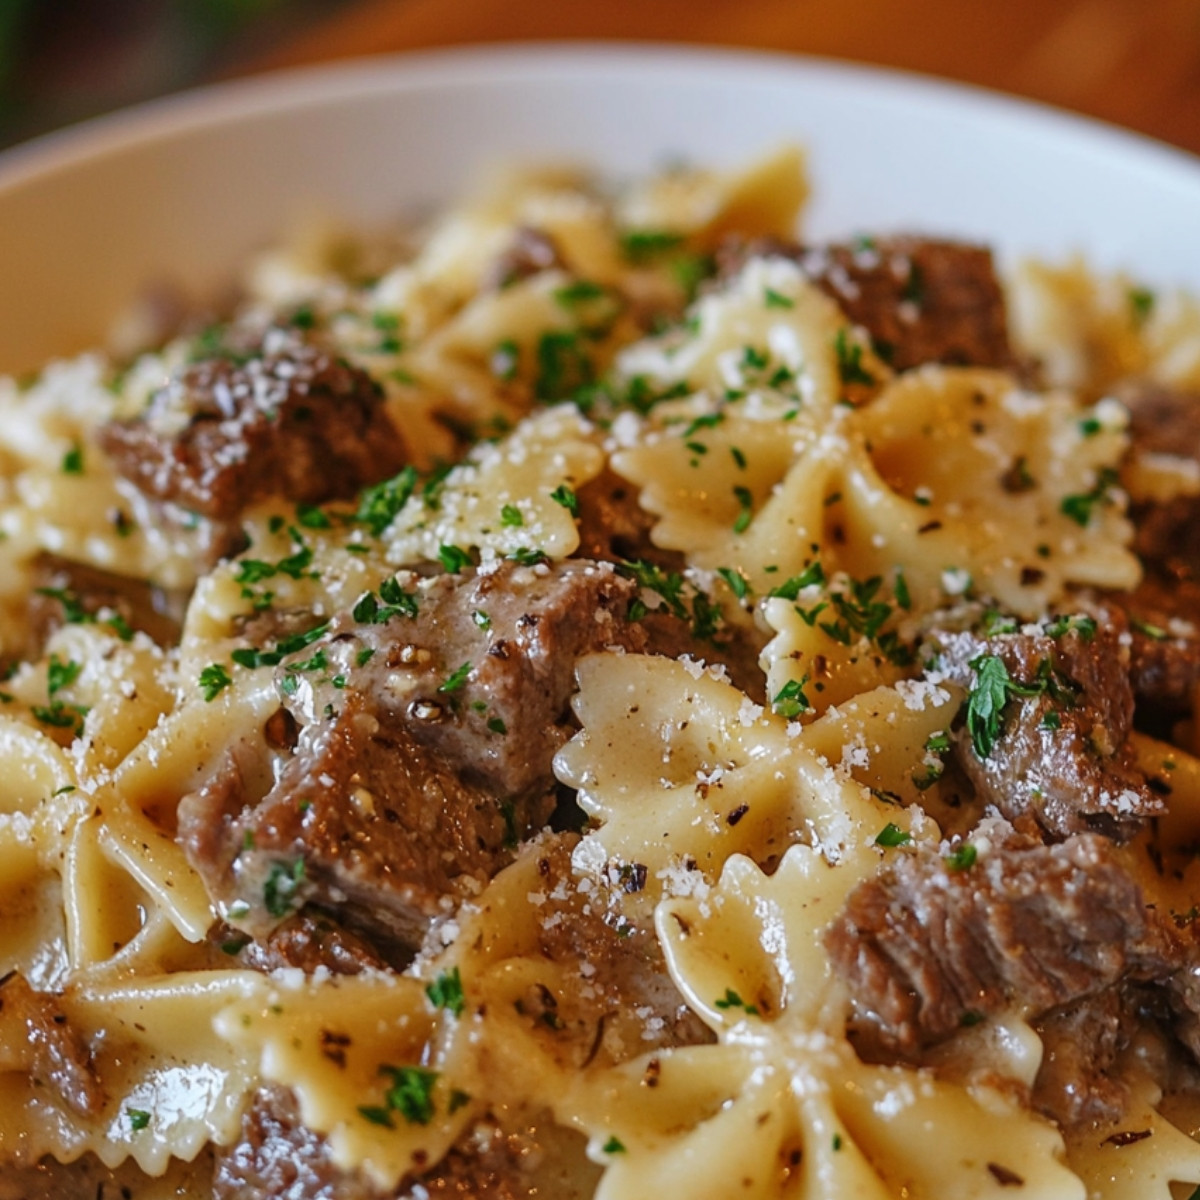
<point x="579" y="292"/>
<point x="510" y="517"/>
<point x="214" y="679"/>
<point x="566" y="497"/>
<point x="790" y="701"/>
<point x="481" y="619"/>
<point x="454" y="559"/>
<point x="746" y="500"/>
<point x="986" y="701"/>
<point x="1151" y="631"/>
<point x="411" y="1093"/>
<point x="962" y="858"/>
<point x="1141" y="304"/>
<point x="59" y="715"/>
<point x="732" y="1000"/>
<point x="892" y="835"/>
<point x="1083" y="625"/>
<point x="72" y="461"/>
<point x="640" y="246"/>
<point x="61" y="674"/>
<point x="993" y="689"/>
<point x="281" y="887"/>
<point x="455" y="680"/>
<point x="396" y="602"/>
<point x="528" y="556"/>
<point x="563" y="365"/>
<point x="849" y="360"/>
<point x="738" y="583"/>
<point x="139" y="1118"/>
<point x="1080" y="505"/>
<point x="446" y="992"/>
<point x="378" y="505"/>
<point x="250" y="657"/>
<point x="388" y="325"/>
<point x="791" y="588"/>
<point x="614" y="1145"/>
<point x="774" y="299"/>
<point x="311" y="516"/>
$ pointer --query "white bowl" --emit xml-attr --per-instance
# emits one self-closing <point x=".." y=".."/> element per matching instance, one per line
<point x="183" y="189"/>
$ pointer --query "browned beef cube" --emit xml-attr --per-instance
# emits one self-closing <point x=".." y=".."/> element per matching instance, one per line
<point x="1075" y="1083"/>
<point x="277" y="1158"/>
<point x="291" y="421"/>
<point x="1060" y="752"/>
<point x="920" y="300"/>
<point x="933" y="942"/>
<point x="1164" y="611"/>
<point x="60" y="1058"/>
<point x="65" y="592"/>
<point x="307" y="941"/>
<point x="419" y="733"/>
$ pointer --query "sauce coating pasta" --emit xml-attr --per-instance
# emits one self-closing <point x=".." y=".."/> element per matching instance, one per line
<point x="606" y="699"/>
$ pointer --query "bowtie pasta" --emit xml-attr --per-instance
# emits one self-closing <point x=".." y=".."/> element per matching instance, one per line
<point x="597" y="697"/>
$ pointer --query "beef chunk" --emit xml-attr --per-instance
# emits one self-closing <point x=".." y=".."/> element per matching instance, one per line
<point x="291" y="420"/>
<point x="630" y="1004"/>
<point x="309" y="941"/>
<point x="1061" y="754"/>
<point x="277" y="1158"/>
<point x="530" y="252"/>
<point x="1075" y="1083"/>
<point x="58" y="1056"/>
<point x="65" y="591"/>
<point x="1164" y="650"/>
<point x="1164" y="611"/>
<point x="924" y="946"/>
<point x="920" y="300"/>
<point x="1162" y="420"/>
<point x="614" y="527"/>
<point x="419" y="749"/>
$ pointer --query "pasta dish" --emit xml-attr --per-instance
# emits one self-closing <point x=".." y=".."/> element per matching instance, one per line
<point x="593" y="696"/>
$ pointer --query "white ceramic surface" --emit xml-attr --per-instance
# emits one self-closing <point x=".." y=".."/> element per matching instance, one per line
<point x="182" y="189"/>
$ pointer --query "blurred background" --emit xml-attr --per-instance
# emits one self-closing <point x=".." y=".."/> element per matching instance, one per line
<point x="1132" y="62"/>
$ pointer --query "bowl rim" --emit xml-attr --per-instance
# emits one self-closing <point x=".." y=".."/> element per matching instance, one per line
<point x="487" y="65"/>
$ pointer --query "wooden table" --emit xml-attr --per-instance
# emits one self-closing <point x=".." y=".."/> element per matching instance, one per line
<point x="1132" y="62"/>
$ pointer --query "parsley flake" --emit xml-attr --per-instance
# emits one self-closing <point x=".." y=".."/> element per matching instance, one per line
<point x="962" y="858"/>
<point x="1079" y="506"/>
<point x="411" y="1093"/>
<point x="214" y="679"/>
<point x="280" y="889"/>
<point x="72" y="461"/>
<point x="454" y="559"/>
<point x="790" y="701"/>
<point x="446" y="992"/>
<point x="892" y="835"/>
<point x="566" y="497"/>
<point x="454" y="681"/>
<point x="849" y="360"/>
<point x="732" y="1000"/>
<point x="746" y="500"/>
